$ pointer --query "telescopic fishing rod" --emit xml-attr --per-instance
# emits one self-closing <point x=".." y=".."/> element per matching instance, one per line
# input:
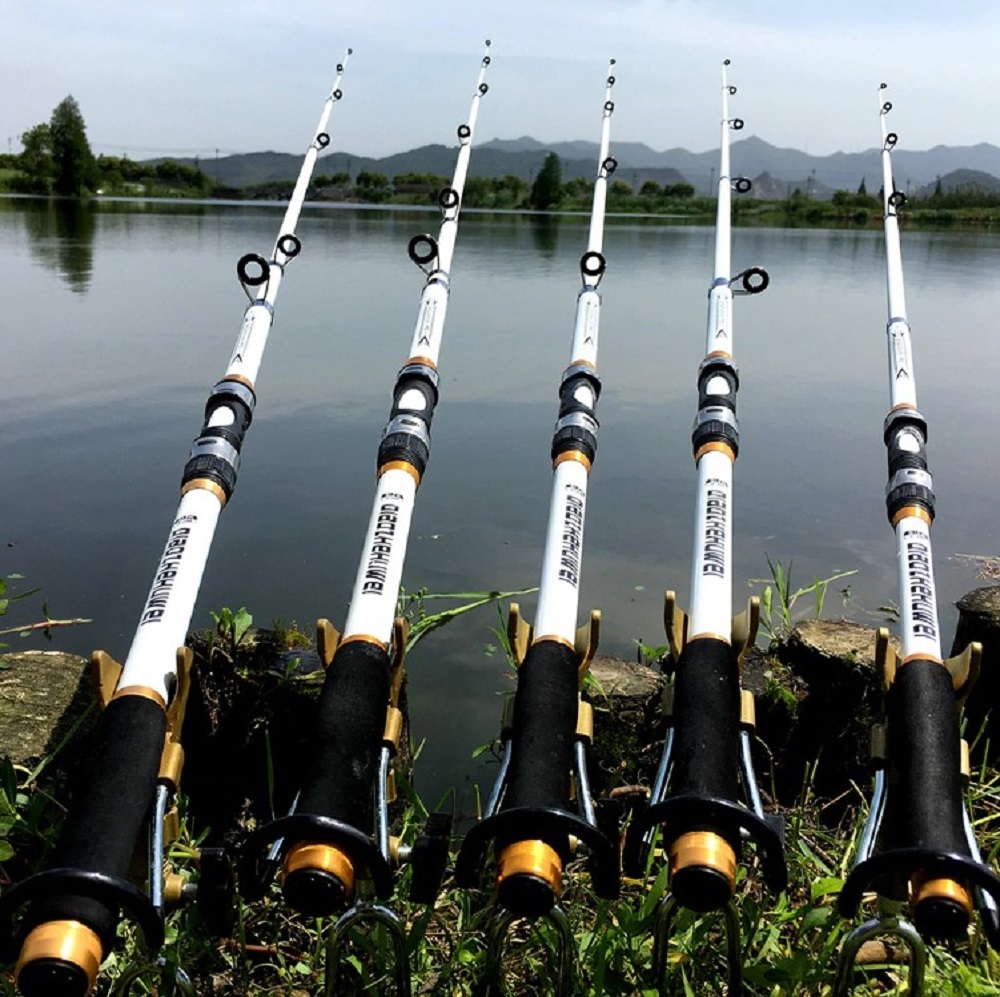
<point x="918" y="844"/>
<point x="335" y="845"/>
<point x="74" y="907"/>
<point x="530" y="818"/>
<point x="695" y="800"/>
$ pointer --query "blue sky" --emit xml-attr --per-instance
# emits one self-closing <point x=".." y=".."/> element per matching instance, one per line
<point x="186" y="77"/>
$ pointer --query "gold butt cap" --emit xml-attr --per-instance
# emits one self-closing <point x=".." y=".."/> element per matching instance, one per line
<point x="702" y="870"/>
<point x="529" y="877"/>
<point x="942" y="908"/>
<point x="317" y="878"/>
<point x="63" y="941"/>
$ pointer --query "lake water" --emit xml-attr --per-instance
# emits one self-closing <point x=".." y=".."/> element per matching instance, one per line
<point x="118" y="318"/>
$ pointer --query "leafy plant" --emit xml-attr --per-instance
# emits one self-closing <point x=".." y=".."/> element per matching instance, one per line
<point x="231" y="627"/>
<point x="778" y="598"/>
<point x="413" y="605"/>
<point x="25" y="630"/>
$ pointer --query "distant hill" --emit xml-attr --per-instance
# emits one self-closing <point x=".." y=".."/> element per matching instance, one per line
<point x="523" y="157"/>
<point x="962" y="181"/>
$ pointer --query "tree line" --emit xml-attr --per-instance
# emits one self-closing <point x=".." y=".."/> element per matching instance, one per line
<point x="57" y="159"/>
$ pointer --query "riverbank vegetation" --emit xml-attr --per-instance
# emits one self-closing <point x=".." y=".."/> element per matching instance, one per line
<point x="790" y="944"/>
<point x="57" y="160"/>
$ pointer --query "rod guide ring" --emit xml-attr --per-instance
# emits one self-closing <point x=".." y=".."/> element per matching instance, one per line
<point x="732" y="91"/>
<point x="448" y="197"/>
<point x="609" y="165"/>
<point x="897" y="199"/>
<point x="611" y="81"/>
<point x="891" y="139"/>
<point x="248" y="278"/>
<point x="736" y="124"/>
<point x="486" y="60"/>
<point x="484" y="88"/>
<point x="742" y="185"/>
<point x="337" y="94"/>
<point x="340" y="67"/>
<point x="322" y="140"/>
<point x="609" y="106"/>
<point x="754" y="280"/>
<point x="887" y="107"/>
<point x="593" y="264"/>
<point x="420" y="257"/>
<point x="464" y="131"/>
<point x="290" y="245"/>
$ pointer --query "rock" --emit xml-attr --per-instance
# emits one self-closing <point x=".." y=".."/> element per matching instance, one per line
<point x="628" y="723"/>
<point x="42" y="694"/>
<point x="819" y="700"/>
<point x="979" y="619"/>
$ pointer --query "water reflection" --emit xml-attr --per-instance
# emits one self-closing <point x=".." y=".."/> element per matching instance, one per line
<point x="545" y="232"/>
<point x="126" y="365"/>
<point x="61" y="237"/>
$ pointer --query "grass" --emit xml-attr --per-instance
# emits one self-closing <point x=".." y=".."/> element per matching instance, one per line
<point x="790" y="943"/>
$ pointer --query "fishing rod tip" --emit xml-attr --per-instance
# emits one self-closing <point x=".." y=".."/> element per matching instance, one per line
<point x="488" y="43"/>
<point x="726" y="63"/>
<point x="883" y="86"/>
<point x="350" y="51"/>
<point x="613" y="61"/>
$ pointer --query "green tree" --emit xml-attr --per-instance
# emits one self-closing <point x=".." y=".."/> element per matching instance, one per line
<point x="681" y="189"/>
<point x="650" y="189"/>
<point x="36" y="162"/>
<point x="547" y="188"/>
<point x="75" y="168"/>
<point x="372" y="187"/>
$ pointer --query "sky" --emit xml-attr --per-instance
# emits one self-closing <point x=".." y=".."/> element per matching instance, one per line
<point x="190" y="78"/>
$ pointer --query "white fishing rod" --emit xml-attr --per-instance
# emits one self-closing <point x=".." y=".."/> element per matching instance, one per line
<point x="919" y="757"/>
<point x="75" y="905"/>
<point x="528" y="818"/>
<point x="338" y="835"/>
<point x="696" y="799"/>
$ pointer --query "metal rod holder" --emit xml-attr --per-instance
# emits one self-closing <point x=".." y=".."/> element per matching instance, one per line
<point x="156" y="847"/>
<point x="583" y="796"/>
<point x="374" y="914"/>
<point x="499" y="927"/>
<point x="890" y="924"/>
<point x="749" y="777"/>
<point x="136" y="970"/>
<point x="382" y="803"/>
<point x="496" y="794"/>
<point x="661" y="939"/>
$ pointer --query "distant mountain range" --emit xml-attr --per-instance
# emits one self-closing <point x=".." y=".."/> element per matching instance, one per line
<point x="523" y="157"/>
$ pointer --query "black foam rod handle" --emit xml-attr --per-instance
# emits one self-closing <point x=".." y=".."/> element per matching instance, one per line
<point x="706" y="720"/>
<point x="925" y="805"/>
<point x="340" y="779"/>
<point x="544" y="727"/>
<point x="106" y="817"/>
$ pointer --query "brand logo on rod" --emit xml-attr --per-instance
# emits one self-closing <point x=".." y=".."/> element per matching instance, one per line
<point x="243" y="339"/>
<point x="713" y="554"/>
<point x="166" y="572"/>
<point x="900" y="354"/>
<point x="572" y="536"/>
<point x="427" y="323"/>
<point x="380" y="551"/>
<point x="590" y="336"/>
<point x="921" y="583"/>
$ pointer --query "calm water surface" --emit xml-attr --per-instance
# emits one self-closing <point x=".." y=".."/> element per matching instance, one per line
<point x="118" y="318"/>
